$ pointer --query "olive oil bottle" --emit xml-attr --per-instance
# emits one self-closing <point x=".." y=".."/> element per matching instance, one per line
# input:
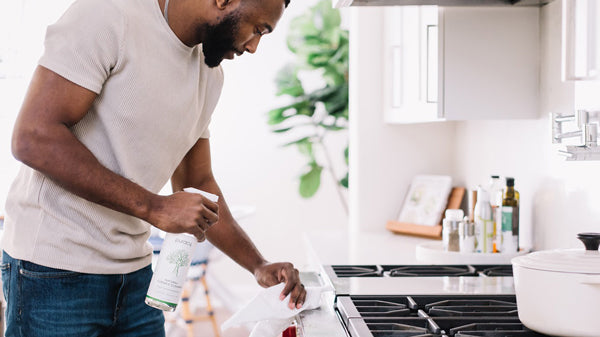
<point x="510" y="218"/>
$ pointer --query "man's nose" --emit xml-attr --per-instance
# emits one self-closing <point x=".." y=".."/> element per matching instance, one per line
<point x="252" y="45"/>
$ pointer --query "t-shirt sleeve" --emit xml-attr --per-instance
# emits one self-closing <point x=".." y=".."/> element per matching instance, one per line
<point x="213" y="92"/>
<point x="85" y="44"/>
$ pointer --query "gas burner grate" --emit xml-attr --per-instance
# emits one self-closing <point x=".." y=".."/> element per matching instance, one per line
<point x="493" y="330"/>
<point x="344" y="271"/>
<point x="357" y="271"/>
<point x="473" y="311"/>
<point x="501" y="270"/>
<point x="404" y="327"/>
<point x="433" y="316"/>
<point x="380" y="308"/>
<point x="430" y="270"/>
<point x="473" y="308"/>
<point x="397" y="330"/>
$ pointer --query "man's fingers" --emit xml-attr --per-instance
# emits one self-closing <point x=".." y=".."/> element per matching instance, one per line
<point x="199" y="234"/>
<point x="298" y="296"/>
<point x="289" y="285"/>
<point x="291" y="278"/>
<point x="211" y="205"/>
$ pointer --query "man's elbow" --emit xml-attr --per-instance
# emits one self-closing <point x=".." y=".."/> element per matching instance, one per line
<point x="23" y="146"/>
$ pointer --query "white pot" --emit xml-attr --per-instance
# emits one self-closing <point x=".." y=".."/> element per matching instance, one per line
<point x="558" y="291"/>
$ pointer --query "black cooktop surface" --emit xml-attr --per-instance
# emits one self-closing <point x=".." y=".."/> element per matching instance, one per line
<point x="432" y="316"/>
<point x="342" y="271"/>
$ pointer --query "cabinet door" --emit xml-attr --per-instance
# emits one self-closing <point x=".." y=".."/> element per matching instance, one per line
<point x="581" y="42"/>
<point x="410" y="51"/>
<point x="489" y="63"/>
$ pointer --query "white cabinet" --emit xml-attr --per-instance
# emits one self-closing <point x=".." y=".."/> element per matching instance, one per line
<point x="581" y="40"/>
<point x="410" y="64"/>
<point x="484" y="62"/>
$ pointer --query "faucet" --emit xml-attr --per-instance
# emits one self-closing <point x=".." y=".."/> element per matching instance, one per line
<point x="587" y="123"/>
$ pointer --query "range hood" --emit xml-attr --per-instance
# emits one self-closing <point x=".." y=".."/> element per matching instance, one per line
<point x="474" y="3"/>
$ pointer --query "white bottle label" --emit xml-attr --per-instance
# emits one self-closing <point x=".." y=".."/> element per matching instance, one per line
<point x="172" y="265"/>
<point x="171" y="269"/>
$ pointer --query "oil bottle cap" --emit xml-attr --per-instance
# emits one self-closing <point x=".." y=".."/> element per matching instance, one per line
<point x="510" y="181"/>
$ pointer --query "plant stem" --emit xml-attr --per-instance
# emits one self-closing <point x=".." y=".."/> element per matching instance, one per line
<point x="330" y="169"/>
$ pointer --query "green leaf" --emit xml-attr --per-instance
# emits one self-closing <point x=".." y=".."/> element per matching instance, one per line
<point x="282" y="130"/>
<point x="347" y="154"/>
<point x="276" y="115"/>
<point x="306" y="148"/>
<point x="332" y="127"/>
<point x="302" y="141"/>
<point x="344" y="181"/>
<point x="310" y="181"/>
<point x="288" y="83"/>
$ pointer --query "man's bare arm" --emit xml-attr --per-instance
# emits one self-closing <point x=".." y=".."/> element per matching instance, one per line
<point x="42" y="139"/>
<point x="195" y="171"/>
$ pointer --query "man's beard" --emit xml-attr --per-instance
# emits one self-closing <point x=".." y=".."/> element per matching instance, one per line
<point x="220" y="39"/>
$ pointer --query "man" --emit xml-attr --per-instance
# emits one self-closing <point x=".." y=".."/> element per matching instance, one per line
<point x="119" y="104"/>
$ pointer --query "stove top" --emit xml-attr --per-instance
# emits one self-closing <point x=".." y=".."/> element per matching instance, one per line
<point x="432" y="316"/>
<point x="342" y="271"/>
<point x="378" y="279"/>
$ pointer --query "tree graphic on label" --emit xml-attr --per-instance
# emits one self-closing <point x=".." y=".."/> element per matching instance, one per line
<point x="179" y="258"/>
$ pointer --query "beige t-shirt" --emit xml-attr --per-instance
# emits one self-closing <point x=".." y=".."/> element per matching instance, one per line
<point x="155" y="100"/>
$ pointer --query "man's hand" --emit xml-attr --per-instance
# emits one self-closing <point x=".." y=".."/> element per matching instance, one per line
<point x="271" y="274"/>
<point x="184" y="212"/>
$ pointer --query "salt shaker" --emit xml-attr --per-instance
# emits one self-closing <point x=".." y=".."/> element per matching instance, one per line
<point x="466" y="236"/>
<point x="450" y="227"/>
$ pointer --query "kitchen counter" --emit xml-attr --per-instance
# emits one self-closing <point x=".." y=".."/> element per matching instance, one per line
<point x="372" y="247"/>
<point x="321" y="322"/>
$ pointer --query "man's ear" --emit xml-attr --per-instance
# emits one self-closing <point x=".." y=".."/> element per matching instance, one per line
<point x="223" y="4"/>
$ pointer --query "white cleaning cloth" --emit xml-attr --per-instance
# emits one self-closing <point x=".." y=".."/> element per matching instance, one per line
<point x="271" y="314"/>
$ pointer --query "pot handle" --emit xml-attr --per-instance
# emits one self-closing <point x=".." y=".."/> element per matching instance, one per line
<point x="590" y="240"/>
<point x="590" y="279"/>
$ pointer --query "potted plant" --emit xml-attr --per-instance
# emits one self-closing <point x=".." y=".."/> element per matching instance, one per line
<point x="320" y="46"/>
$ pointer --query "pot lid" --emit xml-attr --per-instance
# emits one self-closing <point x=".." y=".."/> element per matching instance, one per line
<point x="566" y="260"/>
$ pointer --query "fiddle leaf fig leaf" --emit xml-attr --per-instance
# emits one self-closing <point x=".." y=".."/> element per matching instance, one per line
<point x="288" y="83"/>
<point x="310" y="181"/>
<point x="344" y="181"/>
<point x="306" y="147"/>
<point x="276" y="116"/>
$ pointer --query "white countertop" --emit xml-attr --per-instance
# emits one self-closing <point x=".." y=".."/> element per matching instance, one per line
<point x="373" y="247"/>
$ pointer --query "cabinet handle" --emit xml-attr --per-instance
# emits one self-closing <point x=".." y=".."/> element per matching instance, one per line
<point x="432" y="59"/>
<point x="396" y="77"/>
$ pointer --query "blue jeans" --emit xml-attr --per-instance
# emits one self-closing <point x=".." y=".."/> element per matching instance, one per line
<point x="48" y="302"/>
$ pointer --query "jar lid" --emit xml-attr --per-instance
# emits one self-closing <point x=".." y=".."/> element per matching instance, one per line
<point x="564" y="260"/>
<point x="454" y="214"/>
